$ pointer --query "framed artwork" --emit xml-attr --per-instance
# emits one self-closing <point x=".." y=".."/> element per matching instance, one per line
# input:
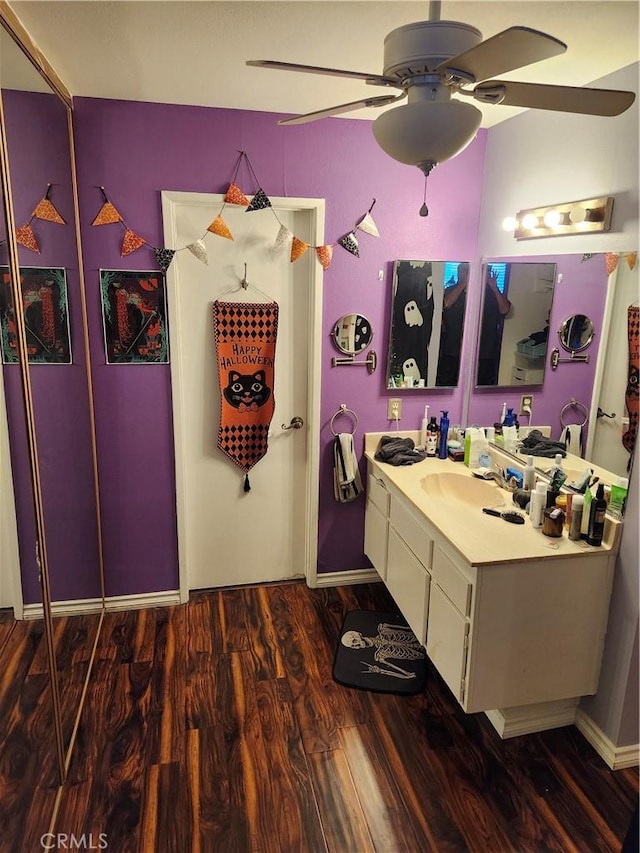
<point x="46" y="315"/>
<point x="134" y="316"/>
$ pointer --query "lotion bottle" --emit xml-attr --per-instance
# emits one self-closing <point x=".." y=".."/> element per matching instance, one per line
<point x="424" y="424"/>
<point x="432" y="437"/>
<point x="529" y="475"/>
<point x="538" y="505"/>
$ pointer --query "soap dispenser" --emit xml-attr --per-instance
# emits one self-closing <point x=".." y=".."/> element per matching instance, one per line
<point x="444" y="432"/>
<point x="509" y="419"/>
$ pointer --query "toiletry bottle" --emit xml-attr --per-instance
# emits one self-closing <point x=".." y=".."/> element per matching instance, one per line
<point x="424" y="423"/>
<point x="596" y="517"/>
<point x="538" y="504"/>
<point x="577" y="505"/>
<point x="618" y="497"/>
<point x="529" y="475"/>
<point x="586" y="513"/>
<point x="557" y="474"/>
<point x="508" y="418"/>
<point x="444" y="432"/>
<point x="432" y="437"/>
<point x="503" y="413"/>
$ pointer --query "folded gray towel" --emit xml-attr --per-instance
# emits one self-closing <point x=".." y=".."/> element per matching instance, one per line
<point x="537" y="444"/>
<point x="398" y="451"/>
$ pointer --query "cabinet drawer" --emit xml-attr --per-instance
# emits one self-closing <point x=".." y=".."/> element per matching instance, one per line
<point x="451" y="581"/>
<point x="377" y="493"/>
<point x="412" y="531"/>
<point x="408" y="582"/>
<point x="447" y="641"/>
<point x="376" y="532"/>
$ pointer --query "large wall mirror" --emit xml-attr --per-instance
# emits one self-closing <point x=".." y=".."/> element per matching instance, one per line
<point x="602" y="304"/>
<point x="514" y="324"/>
<point x="52" y="588"/>
<point x="427" y="320"/>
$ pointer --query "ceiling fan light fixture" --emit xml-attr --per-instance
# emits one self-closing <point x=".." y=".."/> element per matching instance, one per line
<point x="424" y="133"/>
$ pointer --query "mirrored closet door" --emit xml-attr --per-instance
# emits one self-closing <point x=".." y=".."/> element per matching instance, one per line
<point x="51" y="589"/>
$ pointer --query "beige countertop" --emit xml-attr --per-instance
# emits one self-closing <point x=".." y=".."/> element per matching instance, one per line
<point x="479" y="538"/>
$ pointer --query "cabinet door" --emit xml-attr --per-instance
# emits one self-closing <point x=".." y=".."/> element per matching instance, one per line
<point x="447" y="639"/>
<point x="408" y="582"/>
<point x="376" y="530"/>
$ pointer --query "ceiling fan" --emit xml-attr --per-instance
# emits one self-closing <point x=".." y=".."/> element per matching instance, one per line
<point x="431" y="61"/>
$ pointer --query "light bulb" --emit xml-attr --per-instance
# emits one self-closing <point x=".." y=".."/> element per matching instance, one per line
<point x="552" y="218"/>
<point x="509" y="223"/>
<point x="577" y="215"/>
<point x="530" y="221"/>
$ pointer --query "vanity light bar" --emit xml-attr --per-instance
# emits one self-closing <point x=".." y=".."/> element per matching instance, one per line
<point x="571" y="217"/>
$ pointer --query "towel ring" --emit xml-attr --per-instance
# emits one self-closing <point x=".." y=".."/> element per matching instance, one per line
<point x="343" y="410"/>
<point x="574" y="404"/>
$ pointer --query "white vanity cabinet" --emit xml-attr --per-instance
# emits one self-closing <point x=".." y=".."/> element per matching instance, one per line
<point x="521" y="640"/>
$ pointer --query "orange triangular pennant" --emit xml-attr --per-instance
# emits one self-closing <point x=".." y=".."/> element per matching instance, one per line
<point x="26" y="238"/>
<point x="107" y="214"/>
<point x="234" y="195"/>
<point x="631" y="258"/>
<point x="611" y="262"/>
<point x="130" y="242"/>
<point x="46" y="210"/>
<point x="220" y="227"/>
<point x="324" y="253"/>
<point x="298" y="248"/>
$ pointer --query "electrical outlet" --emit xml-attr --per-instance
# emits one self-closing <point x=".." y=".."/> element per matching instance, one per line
<point x="394" y="409"/>
<point x="526" y="402"/>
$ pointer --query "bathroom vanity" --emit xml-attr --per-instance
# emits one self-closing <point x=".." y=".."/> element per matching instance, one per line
<point x="513" y="621"/>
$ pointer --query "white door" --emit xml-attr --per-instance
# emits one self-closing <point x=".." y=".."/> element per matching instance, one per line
<point x="226" y="536"/>
<point x="605" y="446"/>
<point x="10" y="585"/>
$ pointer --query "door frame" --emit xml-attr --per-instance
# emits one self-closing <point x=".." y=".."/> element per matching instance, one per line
<point x="315" y="210"/>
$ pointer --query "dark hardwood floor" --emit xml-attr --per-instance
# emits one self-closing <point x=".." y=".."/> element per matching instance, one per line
<point x="217" y="727"/>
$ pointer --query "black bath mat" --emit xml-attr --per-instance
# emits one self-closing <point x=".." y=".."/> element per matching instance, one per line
<point x="379" y="652"/>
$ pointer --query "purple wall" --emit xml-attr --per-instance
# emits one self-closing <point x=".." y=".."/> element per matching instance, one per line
<point x="135" y="150"/>
<point x="38" y="144"/>
<point x="582" y="290"/>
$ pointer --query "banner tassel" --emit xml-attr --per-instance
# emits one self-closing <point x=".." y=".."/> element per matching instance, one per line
<point x="247" y="484"/>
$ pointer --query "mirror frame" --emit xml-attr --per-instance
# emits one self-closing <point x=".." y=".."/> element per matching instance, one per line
<point x="563" y="327"/>
<point x="485" y="263"/>
<point x="14" y="28"/>
<point x="334" y="334"/>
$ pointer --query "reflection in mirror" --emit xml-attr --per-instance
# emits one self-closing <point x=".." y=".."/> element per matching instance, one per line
<point x="427" y="319"/>
<point x="576" y="333"/>
<point x="514" y="326"/>
<point x="37" y="170"/>
<point x="352" y="333"/>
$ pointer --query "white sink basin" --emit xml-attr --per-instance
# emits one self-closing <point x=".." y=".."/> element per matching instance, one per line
<point x="464" y="488"/>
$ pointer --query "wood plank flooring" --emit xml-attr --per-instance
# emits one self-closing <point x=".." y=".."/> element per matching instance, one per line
<point x="216" y="727"/>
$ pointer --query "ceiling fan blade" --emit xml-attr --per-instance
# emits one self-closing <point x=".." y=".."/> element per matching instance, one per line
<point x="374" y="79"/>
<point x="568" y="99"/>
<point x="378" y="101"/>
<point x="510" y="49"/>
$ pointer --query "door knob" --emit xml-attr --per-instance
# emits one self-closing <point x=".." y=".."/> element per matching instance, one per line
<point x="295" y="423"/>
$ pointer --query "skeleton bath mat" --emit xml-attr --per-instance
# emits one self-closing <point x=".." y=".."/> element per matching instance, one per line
<point x="379" y="652"/>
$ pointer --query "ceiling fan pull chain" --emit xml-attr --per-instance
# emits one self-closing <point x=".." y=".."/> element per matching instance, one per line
<point x="424" y="210"/>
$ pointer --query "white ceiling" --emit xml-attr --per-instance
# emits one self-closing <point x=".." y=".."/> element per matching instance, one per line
<point x="194" y="52"/>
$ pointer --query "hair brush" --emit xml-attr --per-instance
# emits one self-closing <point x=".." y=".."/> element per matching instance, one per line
<point x="510" y="515"/>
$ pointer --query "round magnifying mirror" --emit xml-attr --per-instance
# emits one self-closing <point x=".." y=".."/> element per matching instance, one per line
<point x="352" y="333"/>
<point x="576" y="333"/>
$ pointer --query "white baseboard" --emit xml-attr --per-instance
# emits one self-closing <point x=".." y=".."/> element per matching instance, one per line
<point x="78" y="607"/>
<point x="616" y="757"/>
<point x="512" y="722"/>
<point x="347" y="578"/>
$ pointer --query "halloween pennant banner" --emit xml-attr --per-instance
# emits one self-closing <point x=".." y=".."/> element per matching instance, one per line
<point x="284" y="239"/>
